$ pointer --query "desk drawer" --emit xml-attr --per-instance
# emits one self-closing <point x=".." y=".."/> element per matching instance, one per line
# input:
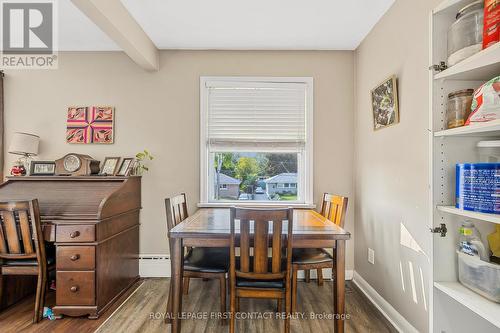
<point x="75" y="288"/>
<point x="75" y="233"/>
<point x="75" y="258"/>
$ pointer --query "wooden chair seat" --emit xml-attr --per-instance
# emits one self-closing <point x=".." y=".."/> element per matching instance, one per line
<point x="27" y="262"/>
<point x="311" y="256"/>
<point x="207" y="260"/>
<point x="266" y="284"/>
<point x="205" y="263"/>
<point x="22" y="247"/>
<point x="334" y="208"/>
<point x="254" y="274"/>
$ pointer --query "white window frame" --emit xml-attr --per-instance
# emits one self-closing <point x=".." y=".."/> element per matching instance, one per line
<point x="305" y="162"/>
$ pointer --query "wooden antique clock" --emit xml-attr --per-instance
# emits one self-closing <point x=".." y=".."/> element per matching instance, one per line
<point x="77" y="165"/>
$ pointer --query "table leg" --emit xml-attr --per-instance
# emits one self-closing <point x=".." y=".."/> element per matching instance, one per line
<point x="339" y="288"/>
<point x="168" y="312"/>
<point x="176" y="262"/>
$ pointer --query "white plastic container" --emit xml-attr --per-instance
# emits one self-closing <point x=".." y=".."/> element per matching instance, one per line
<point x="489" y="151"/>
<point x="480" y="276"/>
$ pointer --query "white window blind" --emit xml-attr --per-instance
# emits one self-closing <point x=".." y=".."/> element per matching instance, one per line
<point x="257" y="113"/>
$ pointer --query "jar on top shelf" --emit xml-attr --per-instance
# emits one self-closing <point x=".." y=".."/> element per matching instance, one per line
<point x="465" y="36"/>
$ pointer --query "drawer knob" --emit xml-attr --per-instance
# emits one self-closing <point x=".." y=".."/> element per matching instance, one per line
<point x="74" y="234"/>
<point x="74" y="289"/>
<point x="75" y="257"/>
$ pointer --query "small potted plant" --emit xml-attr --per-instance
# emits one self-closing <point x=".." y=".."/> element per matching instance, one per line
<point x="141" y="159"/>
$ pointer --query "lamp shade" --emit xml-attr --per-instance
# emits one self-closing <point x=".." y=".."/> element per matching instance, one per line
<point x="24" y="144"/>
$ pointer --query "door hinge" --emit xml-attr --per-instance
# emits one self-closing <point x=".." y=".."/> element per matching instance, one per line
<point x="440" y="230"/>
<point x="439" y="68"/>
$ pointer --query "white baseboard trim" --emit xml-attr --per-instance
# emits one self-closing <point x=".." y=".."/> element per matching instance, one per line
<point x="158" y="265"/>
<point x="395" y="318"/>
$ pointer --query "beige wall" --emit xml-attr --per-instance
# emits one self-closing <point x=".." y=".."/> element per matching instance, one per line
<point x="160" y="111"/>
<point x="392" y="164"/>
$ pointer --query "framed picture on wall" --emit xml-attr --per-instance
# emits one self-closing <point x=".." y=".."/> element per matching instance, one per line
<point x="93" y="124"/>
<point x="385" y="106"/>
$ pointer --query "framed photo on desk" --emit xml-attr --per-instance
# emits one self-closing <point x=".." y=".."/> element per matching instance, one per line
<point x="110" y="166"/>
<point x="42" y="168"/>
<point x="125" y="166"/>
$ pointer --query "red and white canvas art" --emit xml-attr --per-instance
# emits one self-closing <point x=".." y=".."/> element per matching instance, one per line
<point x="90" y="124"/>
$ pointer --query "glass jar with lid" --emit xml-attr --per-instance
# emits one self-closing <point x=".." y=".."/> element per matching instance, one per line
<point x="458" y="107"/>
<point x="465" y="36"/>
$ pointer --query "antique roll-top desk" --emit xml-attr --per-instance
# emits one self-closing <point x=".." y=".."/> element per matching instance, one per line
<point x="94" y="223"/>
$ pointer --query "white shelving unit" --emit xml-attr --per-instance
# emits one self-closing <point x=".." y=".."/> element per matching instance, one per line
<point x="448" y="147"/>
<point x="480" y="305"/>
<point x="491" y="128"/>
<point x="478" y="67"/>
<point x="493" y="218"/>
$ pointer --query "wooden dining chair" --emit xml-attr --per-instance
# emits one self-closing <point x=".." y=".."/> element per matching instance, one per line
<point x="199" y="262"/>
<point x="22" y="247"/>
<point x="254" y="274"/>
<point x="334" y="208"/>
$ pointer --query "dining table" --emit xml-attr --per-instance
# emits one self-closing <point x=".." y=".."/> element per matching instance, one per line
<point x="210" y="227"/>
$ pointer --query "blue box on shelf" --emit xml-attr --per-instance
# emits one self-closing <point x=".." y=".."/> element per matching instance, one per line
<point x="478" y="187"/>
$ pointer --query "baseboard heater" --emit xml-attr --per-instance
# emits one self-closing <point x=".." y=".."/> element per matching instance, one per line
<point x="154" y="265"/>
<point x="158" y="265"/>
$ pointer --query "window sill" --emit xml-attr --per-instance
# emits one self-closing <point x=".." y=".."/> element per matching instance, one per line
<point x="254" y="204"/>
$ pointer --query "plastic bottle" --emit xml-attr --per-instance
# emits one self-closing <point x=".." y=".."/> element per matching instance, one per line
<point x="494" y="240"/>
<point x="470" y="241"/>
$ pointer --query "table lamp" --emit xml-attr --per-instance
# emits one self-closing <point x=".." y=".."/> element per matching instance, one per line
<point x="26" y="145"/>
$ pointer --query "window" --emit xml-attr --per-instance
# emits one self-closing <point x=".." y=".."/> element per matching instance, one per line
<point x="256" y="140"/>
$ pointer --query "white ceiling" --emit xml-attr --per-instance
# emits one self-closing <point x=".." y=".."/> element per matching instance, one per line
<point x="78" y="33"/>
<point x="234" y="24"/>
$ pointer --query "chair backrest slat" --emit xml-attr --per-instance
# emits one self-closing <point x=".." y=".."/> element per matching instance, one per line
<point x="255" y="225"/>
<point x="20" y="231"/>
<point x="176" y="210"/>
<point x="277" y="246"/>
<point x="10" y="226"/>
<point x="261" y="246"/>
<point x="24" y="225"/>
<point x="334" y="208"/>
<point x="3" y="243"/>
<point x="245" y="247"/>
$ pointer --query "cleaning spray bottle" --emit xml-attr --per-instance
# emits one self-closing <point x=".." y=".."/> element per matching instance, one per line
<point x="494" y="241"/>
<point x="470" y="241"/>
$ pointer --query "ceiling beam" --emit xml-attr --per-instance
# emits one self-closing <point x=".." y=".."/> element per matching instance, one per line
<point x="115" y="20"/>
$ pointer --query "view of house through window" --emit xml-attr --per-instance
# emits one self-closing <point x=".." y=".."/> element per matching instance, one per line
<point x="256" y="140"/>
<point x="255" y="176"/>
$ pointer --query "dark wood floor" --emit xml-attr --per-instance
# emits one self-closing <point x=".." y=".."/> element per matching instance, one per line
<point x="17" y="318"/>
<point x="144" y="310"/>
